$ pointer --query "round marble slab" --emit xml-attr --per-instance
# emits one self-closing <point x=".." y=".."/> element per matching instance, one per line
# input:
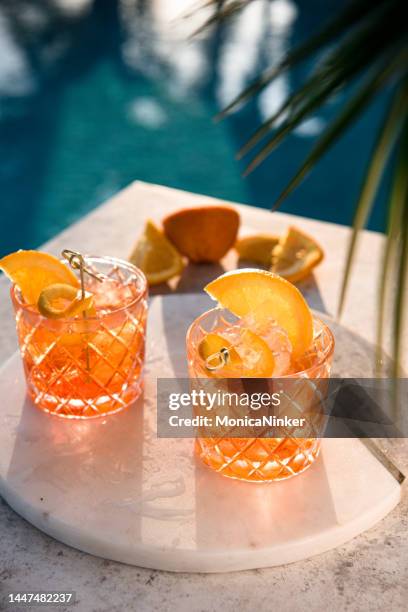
<point x="109" y="487"/>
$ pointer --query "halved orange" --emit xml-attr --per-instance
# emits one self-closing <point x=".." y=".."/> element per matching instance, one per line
<point x="257" y="248"/>
<point x="32" y="271"/>
<point x="156" y="256"/>
<point x="202" y="233"/>
<point x="267" y="297"/>
<point x="250" y="356"/>
<point x="296" y="254"/>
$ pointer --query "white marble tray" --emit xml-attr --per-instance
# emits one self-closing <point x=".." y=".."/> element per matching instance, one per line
<point x="110" y="488"/>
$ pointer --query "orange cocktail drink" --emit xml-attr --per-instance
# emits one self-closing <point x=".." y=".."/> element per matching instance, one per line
<point x="82" y="357"/>
<point x="270" y="335"/>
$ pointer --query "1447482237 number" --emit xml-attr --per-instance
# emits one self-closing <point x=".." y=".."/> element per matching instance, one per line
<point x="38" y="598"/>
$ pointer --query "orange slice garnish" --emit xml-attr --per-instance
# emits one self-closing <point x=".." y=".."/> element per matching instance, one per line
<point x="32" y="271"/>
<point x="59" y="301"/>
<point x="257" y="248"/>
<point x="295" y="256"/>
<point x="202" y="233"/>
<point x="267" y="297"/>
<point x="156" y="256"/>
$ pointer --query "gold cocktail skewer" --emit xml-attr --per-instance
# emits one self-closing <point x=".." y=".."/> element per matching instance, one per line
<point x="218" y="360"/>
<point x="78" y="262"/>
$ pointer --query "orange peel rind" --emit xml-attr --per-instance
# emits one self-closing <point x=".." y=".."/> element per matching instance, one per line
<point x="204" y="234"/>
<point x="60" y="301"/>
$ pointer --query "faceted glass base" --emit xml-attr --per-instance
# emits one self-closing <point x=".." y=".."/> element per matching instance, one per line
<point x="258" y="460"/>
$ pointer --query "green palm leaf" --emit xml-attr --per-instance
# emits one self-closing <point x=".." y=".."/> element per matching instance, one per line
<point x="223" y="11"/>
<point x="399" y="194"/>
<point x="387" y="137"/>
<point x="349" y="113"/>
<point x="348" y="18"/>
<point x="402" y="265"/>
<point x="340" y="67"/>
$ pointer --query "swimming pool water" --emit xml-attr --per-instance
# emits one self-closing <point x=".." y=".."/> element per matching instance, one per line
<point x="94" y="99"/>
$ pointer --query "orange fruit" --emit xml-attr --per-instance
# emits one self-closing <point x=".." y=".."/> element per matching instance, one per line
<point x="32" y="271"/>
<point x="257" y="248"/>
<point x="203" y="234"/>
<point x="59" y="301"/>
<point x="295" y="256"/>
<point x="250" y="357"/>
<point x="266" y="297"/>
<point x="156" y="256"/>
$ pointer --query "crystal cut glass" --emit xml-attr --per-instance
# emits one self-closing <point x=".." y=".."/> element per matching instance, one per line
<point x="92" y="365"/>
<point x="264" y="459"/>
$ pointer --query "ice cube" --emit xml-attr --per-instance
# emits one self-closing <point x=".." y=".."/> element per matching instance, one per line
<point x="277" y="340"/>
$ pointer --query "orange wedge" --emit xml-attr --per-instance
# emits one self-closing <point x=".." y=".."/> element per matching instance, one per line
<point x="156" y="256"/>
<point x="249" y="349"/>
<point x="203" y="234"/>
<point x="296" y="255"/>
<point x="266" y="297"/>
<point x="32" y="271"/>
<point x="257" y="248"/>
<point x="59" y="301"/>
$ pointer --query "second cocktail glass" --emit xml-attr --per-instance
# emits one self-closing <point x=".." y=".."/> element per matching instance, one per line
<point x="259" y="459"/>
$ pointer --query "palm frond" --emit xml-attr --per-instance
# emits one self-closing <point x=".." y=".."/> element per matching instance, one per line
<point x="352" y="56"/>
<point x="351" y="16"/>
<point x="398" y="197"/>
<point x="382" y="149"/>
<point x="223" y="10"/>
<point x="348" y="114"/>
<point x="402" y="268"/>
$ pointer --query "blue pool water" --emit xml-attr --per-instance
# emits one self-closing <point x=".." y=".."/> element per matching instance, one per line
<point x="94" y="97"/>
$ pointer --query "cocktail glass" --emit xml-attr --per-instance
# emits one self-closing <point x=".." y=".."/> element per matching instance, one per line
<point x="90" y="365"/>
<point x="261" y="459"/>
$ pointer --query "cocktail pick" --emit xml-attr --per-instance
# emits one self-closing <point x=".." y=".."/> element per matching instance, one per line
<point x="221" y="357"/>
<point x="78" y="262"/>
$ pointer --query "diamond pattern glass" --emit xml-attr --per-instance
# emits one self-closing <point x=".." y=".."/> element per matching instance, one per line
<point x="88" y="367"/>
<point x="264" y="459"/>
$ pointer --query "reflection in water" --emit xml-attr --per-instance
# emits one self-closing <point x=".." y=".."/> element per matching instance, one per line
<point x="310" y="127"/>
<point x="15" y="77"/>
<point x="147" y="112"/>
<point x="97" y="93"/>
<point x="240" y="52"/>
<point x="73" y="7"/>
<point x="281" y="16"/>
<point x="157" y="42"/>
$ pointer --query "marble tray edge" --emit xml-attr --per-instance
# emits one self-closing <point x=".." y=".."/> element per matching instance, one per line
<point x="188" y="560"/>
